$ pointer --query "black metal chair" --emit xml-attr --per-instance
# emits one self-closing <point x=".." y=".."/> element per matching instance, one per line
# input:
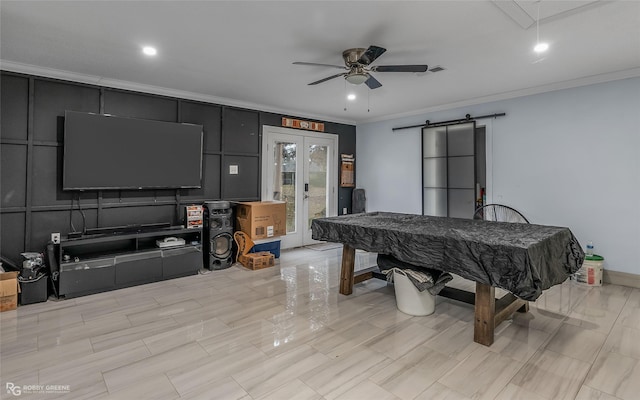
<point x="499" y="213"/>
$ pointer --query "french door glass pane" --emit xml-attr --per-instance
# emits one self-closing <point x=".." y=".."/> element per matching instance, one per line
<point x="318" y="179"/>
<point x="284" y="179"/>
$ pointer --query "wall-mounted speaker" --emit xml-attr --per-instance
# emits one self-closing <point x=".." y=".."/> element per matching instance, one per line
<point x="218" y="235"/>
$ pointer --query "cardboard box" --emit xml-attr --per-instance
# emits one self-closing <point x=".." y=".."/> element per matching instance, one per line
<point x="259" y="260"/>
<point x="9" y="290"/>
<point x="262" y="219"/>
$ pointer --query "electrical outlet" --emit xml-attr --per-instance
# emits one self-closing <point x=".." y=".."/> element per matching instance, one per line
<point x="55" y="237"/>
<point x="344" y="210"/>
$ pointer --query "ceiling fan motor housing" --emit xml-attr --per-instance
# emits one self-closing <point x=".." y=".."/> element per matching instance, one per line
<point x="357" y="74"/>
<point x="351" y="56"/>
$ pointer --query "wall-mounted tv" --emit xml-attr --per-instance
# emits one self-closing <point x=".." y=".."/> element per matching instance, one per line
<point x="103" y="152"/>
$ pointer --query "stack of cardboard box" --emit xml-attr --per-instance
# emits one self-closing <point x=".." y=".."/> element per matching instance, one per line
<point x="259" y="220"/>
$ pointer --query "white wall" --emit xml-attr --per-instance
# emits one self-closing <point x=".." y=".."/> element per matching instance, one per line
<point x="566" y="158"/>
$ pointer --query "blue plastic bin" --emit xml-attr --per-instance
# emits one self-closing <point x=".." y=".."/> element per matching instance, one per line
<point x="272" y="247"/>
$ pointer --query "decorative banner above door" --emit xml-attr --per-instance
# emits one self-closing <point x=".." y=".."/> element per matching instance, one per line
<point x="300" y="124"/>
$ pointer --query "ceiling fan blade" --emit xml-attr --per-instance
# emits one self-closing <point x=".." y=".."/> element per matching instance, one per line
<point x="401" y="68"/>
<point x="320" y="65"/>
<point x="371" y="54"/>
<point x="372" y="82"/>
<point x="327" y="78"/>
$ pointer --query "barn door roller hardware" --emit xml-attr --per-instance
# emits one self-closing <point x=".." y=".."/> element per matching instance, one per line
<point x="467" y="118"/>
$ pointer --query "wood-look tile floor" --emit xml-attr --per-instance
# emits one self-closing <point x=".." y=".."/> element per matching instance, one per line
<point x="286" y="333"/>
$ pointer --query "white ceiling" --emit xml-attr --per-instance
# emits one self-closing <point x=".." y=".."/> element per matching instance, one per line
<point x="241" y="52"/>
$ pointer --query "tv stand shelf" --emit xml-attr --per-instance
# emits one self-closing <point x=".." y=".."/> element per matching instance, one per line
<point x="107" y="261"/>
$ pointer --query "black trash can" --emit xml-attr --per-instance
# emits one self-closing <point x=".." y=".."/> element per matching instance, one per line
<point x="33" y="290"/>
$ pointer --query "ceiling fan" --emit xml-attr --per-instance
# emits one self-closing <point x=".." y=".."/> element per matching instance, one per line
<point x="358" y="67"/>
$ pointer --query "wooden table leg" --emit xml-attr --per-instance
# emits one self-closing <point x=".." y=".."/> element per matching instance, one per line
<point x="346" y="271"/>
<point x="485" y="309"/>
<point x="490" y="312"/>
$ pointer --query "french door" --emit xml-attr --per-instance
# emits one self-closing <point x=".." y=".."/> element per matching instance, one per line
<point x="300" y="169"/>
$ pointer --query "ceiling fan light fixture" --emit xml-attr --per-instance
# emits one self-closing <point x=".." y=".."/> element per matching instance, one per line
<point x="357" y="78"/>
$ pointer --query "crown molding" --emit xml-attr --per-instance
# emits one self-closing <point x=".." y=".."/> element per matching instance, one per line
<point x="30" y="69"/>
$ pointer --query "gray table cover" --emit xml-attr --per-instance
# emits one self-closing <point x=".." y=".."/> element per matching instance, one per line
<point x="524" y="259"/>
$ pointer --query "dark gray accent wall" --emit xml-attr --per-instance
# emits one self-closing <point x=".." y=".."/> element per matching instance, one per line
<point x="32" y="203"/>
<point x="346" y="145"/>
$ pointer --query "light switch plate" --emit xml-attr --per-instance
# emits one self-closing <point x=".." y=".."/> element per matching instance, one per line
<point x="233" y="170"/>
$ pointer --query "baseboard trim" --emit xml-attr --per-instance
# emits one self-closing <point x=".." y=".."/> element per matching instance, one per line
<point x="621" y="278"/>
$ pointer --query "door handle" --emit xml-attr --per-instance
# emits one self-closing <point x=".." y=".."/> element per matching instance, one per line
<point x="306" y="187"/>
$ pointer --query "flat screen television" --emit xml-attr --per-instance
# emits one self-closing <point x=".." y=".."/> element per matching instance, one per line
<point x="103" y="152"/>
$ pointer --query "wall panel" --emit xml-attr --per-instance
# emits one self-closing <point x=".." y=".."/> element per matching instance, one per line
<point x="121" y="216"/>
<point x="47" y="177"/>
<point x="209" y="117"/>
<point x="52" y="99"/>
<point x="14" y="105"/>
<point x="137" y="105"/>
<point x="210" y="180"/>
<point x="241" y="131"/>
<point x="45" y="222"/>
<point x="12" y="230"/>
<point x="165" y="194"/>
<point x="137" y="196"/>
<point x="13" y="168"/>
<point x="212" y="177"/>
<point x="245" y="184"/>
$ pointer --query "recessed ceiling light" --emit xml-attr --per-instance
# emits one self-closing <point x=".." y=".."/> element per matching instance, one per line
<point x="541" y="47"/>
<point x="351" y="96"/>
<point x="150" y="51"/>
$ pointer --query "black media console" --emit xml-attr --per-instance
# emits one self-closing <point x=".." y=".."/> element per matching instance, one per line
<point x="116" y="259"/>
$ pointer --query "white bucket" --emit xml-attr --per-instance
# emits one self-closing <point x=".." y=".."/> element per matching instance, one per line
<point x="590" y="274"/>
<point x="409" y="299"/>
